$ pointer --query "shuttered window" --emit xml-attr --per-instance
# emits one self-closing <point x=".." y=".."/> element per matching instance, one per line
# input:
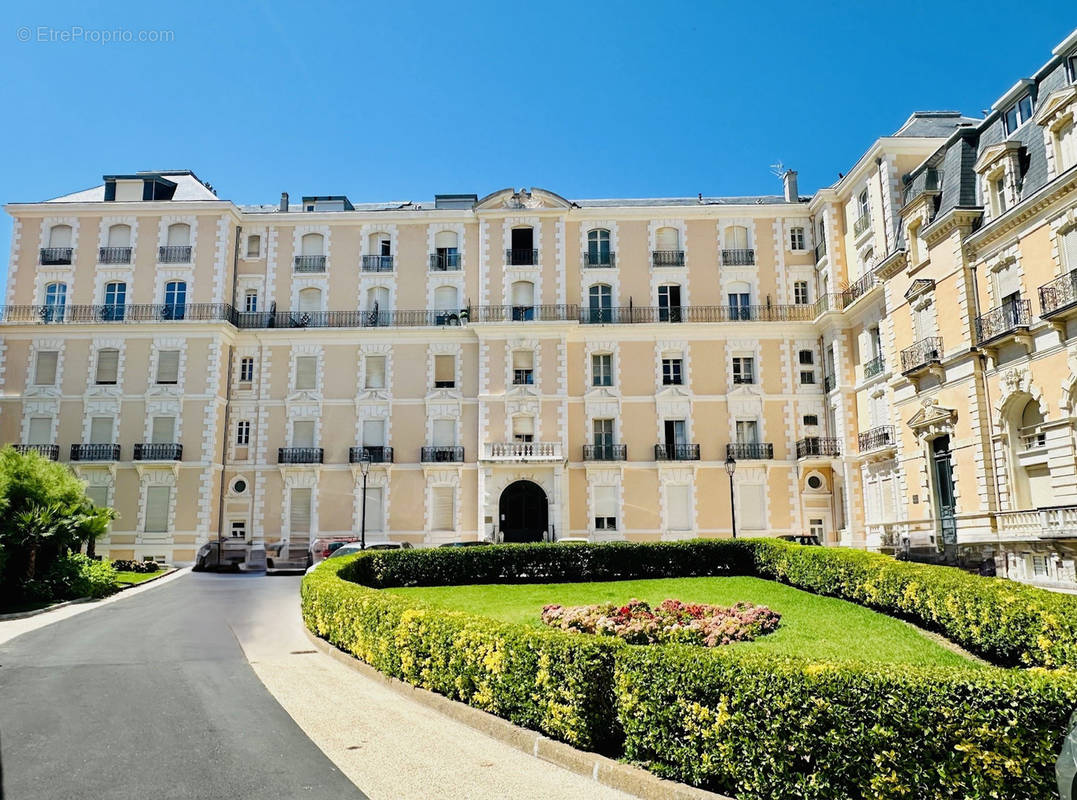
<point x="445" y="298"/>
<point x="750" y="509"/>
<point x="1068" y="249"/>
<point x="605" y="501"/>
<point x="157" y="499"/>
<point x="444" y="371"/>
<point x="168" y="366"/>
<point x="1007" y="282"/>
<point x="101" y="430"/>
<point x="444" y="433"/>
<point x="60" y="236"/>
<point x="163" y="430"/>
<point x="108" y="366"/>
<point x="668" y="239"/>
<point x="179" y="235"/>
<point x="523" y="293"/>
<point x="310" y="301"/>
<point x="523" y="427"/>
<point x="313" y="244"/>
<point x="98" y="495"/>
<point x="375" y="509"/>
<point x="373" y="432"/>
<point x="306" y="372"/>
<point x="45" y="369"/>
<point x="679" y="507"/>
<point x="303" y="433"/>
<point x="523" y="359"/>
<point x="254" y="246"/>
<point x="299" y="512"/>
<point x="119" y="236"/>
<point x="443" y="500"/>
<point x="1067" y="146"/>
<point x="445" y="239"/>
<point x="375" y="372"/>
<point x="40" y="430"/>
<point x="736" y="237"/>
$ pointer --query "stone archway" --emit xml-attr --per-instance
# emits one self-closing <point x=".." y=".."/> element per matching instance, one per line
<point x="523" y="511"/>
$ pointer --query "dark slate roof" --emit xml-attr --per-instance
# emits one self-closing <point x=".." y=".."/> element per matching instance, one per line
<point x="933" y="124"/>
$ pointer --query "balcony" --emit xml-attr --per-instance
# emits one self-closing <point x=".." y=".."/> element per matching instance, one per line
<point x="523" y="451"/>
<point x="667" y="258"/>
<point x="864" y="284"/>
<point x="369" y="264"/>
<point x="874" y="367"/>
<point x="924" y="355"/>
<point x="540" y="313"/>
<point x="114" y="255"/>
<point x="95" y="452"/>
<point x="375" y="455"/>
<point x="442" y="454"/>
<point x="1049" y="522"/>
<point x="653" y="314"/>
<point x="300" y="455"/>
<point x="876" y="438"/>
<point x="831" y="302"/>
<point x="605" y="452"/>
<point x="861" y="225"/>
<point x="87" y="314"/>
<point x="1004" y="321"/>
<point x="309" y="264"/>
<point x="154" y="451"/>
<point x="49" y="451"/>
<point x="676" y="452"/>
<point x="750" y="451"/>
<point x="52" y="256"/>
<point x="444" y="262"/>
<point x="1058" y="299"/>
<point x="818" y="447"/>
<point x="174" y="254"/>
<point x="521" y="258"/>
<point x="738" y="257"/>
<point x="599" y="260"/>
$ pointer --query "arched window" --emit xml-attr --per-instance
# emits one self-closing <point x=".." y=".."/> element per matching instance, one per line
<point x="313" y="244"/>
<point x="736" y="250"/>
<point x="119" y="235"/>
<point x="446" y="253"/>
<point x="379" y="255"/>
<point x="57" y="249"/>
<point x="377" y="298"/>
<point x="115" y="300"/>
<point x="175" y="306"/>
<point x="668" y="252"/>
<point x="523" y="300"/>
<point x="311" y="257"/>
<point x="739" y="294"/>
<point x="179" y="234"/>
<point x="446" y="305"/>
<point x="178" y="248"/>
<point x="598" y="249"/>
<point x="117" y="249"/>
<point x="600" y="303"/>
<point x="1032" y="476"/>
<point x="310" y="300"/>
<point x="60" y="236"/>
<point x="55" y="302"/>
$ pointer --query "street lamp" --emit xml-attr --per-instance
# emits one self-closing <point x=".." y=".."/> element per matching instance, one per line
<point x="731" y="467"/>
<point x="364" y="468"/>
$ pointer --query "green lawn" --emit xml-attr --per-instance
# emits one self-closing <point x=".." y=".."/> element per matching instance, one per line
<point x="817" y="627"/>
<point x="123" y="578"/>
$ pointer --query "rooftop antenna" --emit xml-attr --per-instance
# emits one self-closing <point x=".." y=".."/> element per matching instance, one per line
<point x="778" y="170"/>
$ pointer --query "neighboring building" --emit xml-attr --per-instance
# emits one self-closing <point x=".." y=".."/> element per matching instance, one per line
<point x="522" y="366"/>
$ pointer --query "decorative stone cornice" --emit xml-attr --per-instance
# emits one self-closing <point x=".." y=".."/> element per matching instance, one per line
<point x="956" y="219"/>
<point x="1038" y="204"/>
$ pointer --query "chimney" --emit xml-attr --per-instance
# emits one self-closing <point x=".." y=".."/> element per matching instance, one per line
<point x="790" y="181"/>
<point x="283" y="201"/>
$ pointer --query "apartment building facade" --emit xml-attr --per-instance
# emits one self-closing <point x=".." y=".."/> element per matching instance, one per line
<point x="521" y="367"/>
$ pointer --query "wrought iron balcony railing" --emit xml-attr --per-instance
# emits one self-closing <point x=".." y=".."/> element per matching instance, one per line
<point x="376" y="264"/>
<point x="55" y="255"/>
<point x="541" y="313"/>
<point x="652" y="314"/>
<point x="521" y="258"/>
<point x="95" y="452"/>
<point x="49" y="451"/>
<point x="174" y="254"/>
<point x="1003" y="320"/>
<point x="862" y="224"/>
<point x="874" y="367"/>
<point x="380" y="454"/>
<point x="114" y="255"/>
<point x="876" y="438"/>
<point x="437" y="454"/>
<point x="599" y="259"/>
<point x="351" y="319"/>
<point x="605" y="452"/>
<point x="818" y="447"/>
<point x="309" y="264"/>
<point x="154" y="451"/>
<point x="923" y="353"/>
<point x="444" y="262"/>
<point x="300" y="455"/>
<point x="667" y="258"/>
<point x="1059" y="295"/>
<point x="831" y="302"/>
<point x="749" y="450"/>
<point x="861" y="286"/>
<point x="676" y="452"/>
<point x="523" y="451"/>
<point x="83" y="314"/>
<point x="738" y="256"/>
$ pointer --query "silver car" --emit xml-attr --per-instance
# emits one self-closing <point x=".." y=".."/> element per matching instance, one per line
<point x="1066" y="769"/>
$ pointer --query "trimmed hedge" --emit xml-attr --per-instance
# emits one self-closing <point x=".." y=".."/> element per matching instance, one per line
<point x="744" y="723"/>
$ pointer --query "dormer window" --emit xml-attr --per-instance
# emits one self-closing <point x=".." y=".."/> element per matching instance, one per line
<point x="1018" y="114"/>
<point x="998" y="195"/>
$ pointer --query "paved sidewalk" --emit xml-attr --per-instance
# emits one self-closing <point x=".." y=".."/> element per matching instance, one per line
<point x="393" y="747"/>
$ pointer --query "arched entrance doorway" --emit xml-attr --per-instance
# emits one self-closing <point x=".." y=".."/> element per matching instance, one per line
<point x="524" y="512"/>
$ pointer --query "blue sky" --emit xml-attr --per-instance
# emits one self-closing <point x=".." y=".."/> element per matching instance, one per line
<point x="399" y="100"/>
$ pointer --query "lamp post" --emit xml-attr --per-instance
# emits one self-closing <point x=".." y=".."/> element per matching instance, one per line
<point x="364" y="467"/>
<point x="731" y="467"/>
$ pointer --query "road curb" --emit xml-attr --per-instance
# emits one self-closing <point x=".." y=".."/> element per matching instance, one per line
<point x="162" y="574"/>
<point x="606" y="771"/>
<point x="45" y="610"/>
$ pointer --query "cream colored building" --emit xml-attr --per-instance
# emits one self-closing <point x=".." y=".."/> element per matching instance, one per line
<point x="523" y="366"/>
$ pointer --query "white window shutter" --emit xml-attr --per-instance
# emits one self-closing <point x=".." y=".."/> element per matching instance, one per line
<point x="668" y="239"/>
<point x="375" y="511"/>
<point x="1069" y="249"/>
<point x="168" y="366"/>
<point x="299" y="513"/>
<point x="306" y="372"/>
<point x="445" y="239"/>
<point x="523" y="359"/>
<point x="679" y="507"/>
<point x="157" y="499"/>
<point x="523" y="293"/>
<point x="445" y="299"/>
<point x="98" y="495"/>
<point x="60" y="236"/>
<point x="119" y="236"/>
<point x="108" y="365"/>
<point x="313" y="244"/>
<point x="375" y="372"/>
<point x="445" y="368"/>
<point x="605" y="501"/>
<point x="523" y="426"/>
<point x="310" y="301"/>
<point x="163" y="430"/>
<point x="444" y="433"/>
<point x="179" y="235"/>
<point x="444" y="517"/>
<point x="40" y="430"/>
<point x="303" y="433"/>
<point x="45" y="369"/>
<point x="753" y="503"/>
<point x="373" y="433"/>
<point x="101" y="430"/>
<point x="1007" y="281"/>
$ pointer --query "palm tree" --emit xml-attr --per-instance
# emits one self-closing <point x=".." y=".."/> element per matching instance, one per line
<point x="39" y="526"/>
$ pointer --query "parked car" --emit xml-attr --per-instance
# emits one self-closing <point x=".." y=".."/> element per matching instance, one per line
<point x="468" y="543"/>
<point x="800" y="539"/>
<point x="319" y="548"/>
<point x="338" y="549"/>
<point x="1066" y="769"/>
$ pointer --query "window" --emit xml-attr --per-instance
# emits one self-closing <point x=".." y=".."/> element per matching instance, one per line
<point x="1039" y="566"/>
<point x="175" y="299"/>
<point x="310" y="300"/>
<point x="381" y="244"/>
<point x="743" y="369"/>
<point x="168" y="366"/>
<point x="602" y="369"/>
<point x="374" y="369"/>
<point x="157" y="501"/>
<point x="40" y="430"/>
<point x="444" y="372"/>
<point x="444" y="432"/>
<point x="179" y="234"/>
<point x="98" y="495"/>
<point x="740" y="302"/>
<point x="605" y="508"/>
<point x="811" y="420"/>
<point x="446" y="250"/>
<point x="250" y="301"/>
<point x="108" y="366"/>
<point x="246" y="369"/>
<point x="1071" y="63"/>
<point x="299" y="511"/>
<point x="45" y="368"/>
<point x="523" y="300"/>
<point x="523" y="429"/>
<point x="375" y="509"/>
<point x="119" y="236"/>
<point x="1068" y="249"/>
<point x="313" y="244"/>
<point x="239" y="529"/>
<point x="306" y="373"/>
<point x="668" y="239"/>
<point x="55" y="301"/>
<point x="807" y="357"/>
<point x="598" y="248"/>
<point x="443" y="506"/>
<point x="1065" y="146"/>
<point x="163" y="430"/>
<point x="863" y="205"/>
<point x="101" y="430"/>
<point x="1018" y="114"/>
<point x="373" y="433"/>
<point x="60" y="236"/>
<point x="796" y="238"/>
<point x="669" y="303"/>
<point x="523" y="367"/>
<point x="115" y="298"/>
<point x="679" y="507"/>
<point x="807" y="377"/>
<point x="800" y="293"/>
<point x="303" y="433"/>
<point x="602" y="429"/>
<point x="600" y="303"/>
<point x="254" y="246"/>
<point x="747" y="431"/>
<point x="672" y="371"/>
<point x="736" y="237"/>
<point x="243" y="433"/>
<point x="999" y="202"/>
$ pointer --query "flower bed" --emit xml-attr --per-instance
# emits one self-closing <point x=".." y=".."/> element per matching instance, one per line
<point x="670" y="622"/>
